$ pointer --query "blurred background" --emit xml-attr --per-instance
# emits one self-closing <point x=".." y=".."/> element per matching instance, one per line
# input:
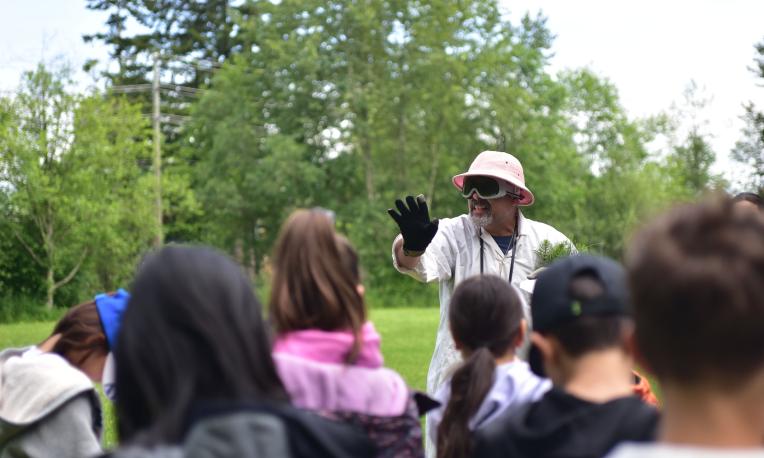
<point x="125" y="124"/>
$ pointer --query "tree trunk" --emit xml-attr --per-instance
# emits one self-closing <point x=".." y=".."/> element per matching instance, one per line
<point x="252" y="265"/>
<point x="50" y="285"/>
<point x="369" y="167"/>
<point x="238" y="251"/>
<point x="433" y="176"/>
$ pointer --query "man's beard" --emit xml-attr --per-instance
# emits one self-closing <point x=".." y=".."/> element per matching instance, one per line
<point x="482" y="221"/>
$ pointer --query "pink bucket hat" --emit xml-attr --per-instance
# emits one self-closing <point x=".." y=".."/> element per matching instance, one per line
<point x="501" y="166"/>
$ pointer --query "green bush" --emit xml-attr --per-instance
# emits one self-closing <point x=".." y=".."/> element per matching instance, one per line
<point x="15" y="308"/>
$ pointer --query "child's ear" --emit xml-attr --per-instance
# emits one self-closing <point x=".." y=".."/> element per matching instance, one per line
<point x="457" y="344"/>
<point x="522" y="330"/>
<point x="551" y="355"/>
<point x="632" y="348"/>
<point x="544" y="345"/>
<point x="361" y="290"/>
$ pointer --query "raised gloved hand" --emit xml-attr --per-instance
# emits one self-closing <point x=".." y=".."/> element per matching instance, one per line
<point x="414" y="221"/>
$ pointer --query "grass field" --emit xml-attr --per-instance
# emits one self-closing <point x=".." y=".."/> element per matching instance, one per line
<point x="408" y="337"/>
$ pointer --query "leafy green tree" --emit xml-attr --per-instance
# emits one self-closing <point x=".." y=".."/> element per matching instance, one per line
<point x="250" y="174"/>
<point x="624" y="182"/>
<point x="749" y="150"/>
<point x="692" y="157"/>
<point x="692" y="163"/>
<point x="350" y="105"/>
<point x="72" y="193"/>
<point x="192" y="31"/>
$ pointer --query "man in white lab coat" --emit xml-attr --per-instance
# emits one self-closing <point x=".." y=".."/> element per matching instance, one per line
<point x="493" y="238"/>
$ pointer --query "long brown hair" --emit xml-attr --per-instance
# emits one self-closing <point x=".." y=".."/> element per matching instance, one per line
<point x="485" y="315"/>
<point x="81" y="334"/>
<point x="315" y="279"/>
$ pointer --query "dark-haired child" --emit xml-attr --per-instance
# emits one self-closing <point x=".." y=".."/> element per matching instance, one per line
<point x="47" y="391"/>
<point x="697" y="279"/>
<point x="581" y="340"/>
<point x="194" y="372"/>
<point x="487" y="325"/>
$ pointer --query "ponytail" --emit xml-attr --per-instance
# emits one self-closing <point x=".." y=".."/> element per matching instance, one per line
<point x="485" y="317"/>
<point x="470" y="385"/>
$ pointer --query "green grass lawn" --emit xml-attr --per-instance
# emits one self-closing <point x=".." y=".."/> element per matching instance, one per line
<point x="408" y="337"/>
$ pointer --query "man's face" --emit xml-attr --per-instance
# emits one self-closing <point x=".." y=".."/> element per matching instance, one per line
<point x="484" y="212"/>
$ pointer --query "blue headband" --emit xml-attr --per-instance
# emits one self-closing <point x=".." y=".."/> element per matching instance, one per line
<point x="110" y="310"/>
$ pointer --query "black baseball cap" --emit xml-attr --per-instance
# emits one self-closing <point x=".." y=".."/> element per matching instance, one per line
<point x="553" y="306"/>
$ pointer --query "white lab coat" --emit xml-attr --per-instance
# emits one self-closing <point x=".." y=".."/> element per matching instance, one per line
<point x="453" y="255"/>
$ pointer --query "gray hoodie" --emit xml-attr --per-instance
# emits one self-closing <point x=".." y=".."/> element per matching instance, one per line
<point x="241" y="435"/>
<point x="259" y="430"/>
<point x="47" y="407"/>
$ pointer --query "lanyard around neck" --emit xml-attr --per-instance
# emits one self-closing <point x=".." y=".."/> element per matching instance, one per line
<point x="514" y="248"/>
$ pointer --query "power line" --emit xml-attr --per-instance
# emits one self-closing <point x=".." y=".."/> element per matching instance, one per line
<point x="130" y="88"/>
<point x="146" y="87"/>
<point x="156" y="87"/>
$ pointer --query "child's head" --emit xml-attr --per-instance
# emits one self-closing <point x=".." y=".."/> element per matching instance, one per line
<point x="746" y="202"/>
<point x="697" y="277"/>
<point x="193" y="332"/>
<point x="485" y="312"/>
<point x="486" y="320"/>
<point x="316" y="279"/>
<point x="79" y="338"/>
<point x="580" y="305"/>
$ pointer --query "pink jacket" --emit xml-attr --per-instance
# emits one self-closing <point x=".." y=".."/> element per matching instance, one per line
<point x="312" y="366"/>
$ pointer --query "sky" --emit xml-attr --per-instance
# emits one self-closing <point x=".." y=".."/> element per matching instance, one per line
<point x="649" y="49"/>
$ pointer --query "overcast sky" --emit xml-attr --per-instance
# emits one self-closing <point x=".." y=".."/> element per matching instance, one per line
<point x="650" y="49"/>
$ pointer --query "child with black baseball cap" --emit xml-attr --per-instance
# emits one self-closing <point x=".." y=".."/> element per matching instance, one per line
<point x="581" y="340"/>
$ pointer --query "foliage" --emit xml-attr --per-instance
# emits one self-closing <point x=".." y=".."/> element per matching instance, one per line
<point x="548" y="252"/>
<point x="749" y="150"/>
<point x="692" y="157"/>
<point x="136" y="29"/>
<point x="338" y="104"/>
<point x="18" y="308"/>
<point x="73" y="197"/>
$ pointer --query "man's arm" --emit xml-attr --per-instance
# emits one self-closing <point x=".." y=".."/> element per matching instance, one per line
<point x="408" y="262"/>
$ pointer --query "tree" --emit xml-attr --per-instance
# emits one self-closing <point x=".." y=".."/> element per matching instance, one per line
<point x="69" y="166"/>
<point x="250" y="173"/>
<point x="692" y="163"/>
<point x="201" y="32"/>
<point x="692" y="157"/>
<point x="623" y="183"/>
<point x="349" y="105"/>
<point x="749" y="150"/>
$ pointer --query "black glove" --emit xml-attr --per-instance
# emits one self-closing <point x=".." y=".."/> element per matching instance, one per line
<point x="414" y="221"/>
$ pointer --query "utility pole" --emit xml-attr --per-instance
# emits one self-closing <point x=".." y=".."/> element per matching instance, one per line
<point x="156" y="119"/>
<point x="156" y="114"/>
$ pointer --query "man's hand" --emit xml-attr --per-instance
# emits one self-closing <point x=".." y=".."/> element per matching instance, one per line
<point x="414" y="221"/>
